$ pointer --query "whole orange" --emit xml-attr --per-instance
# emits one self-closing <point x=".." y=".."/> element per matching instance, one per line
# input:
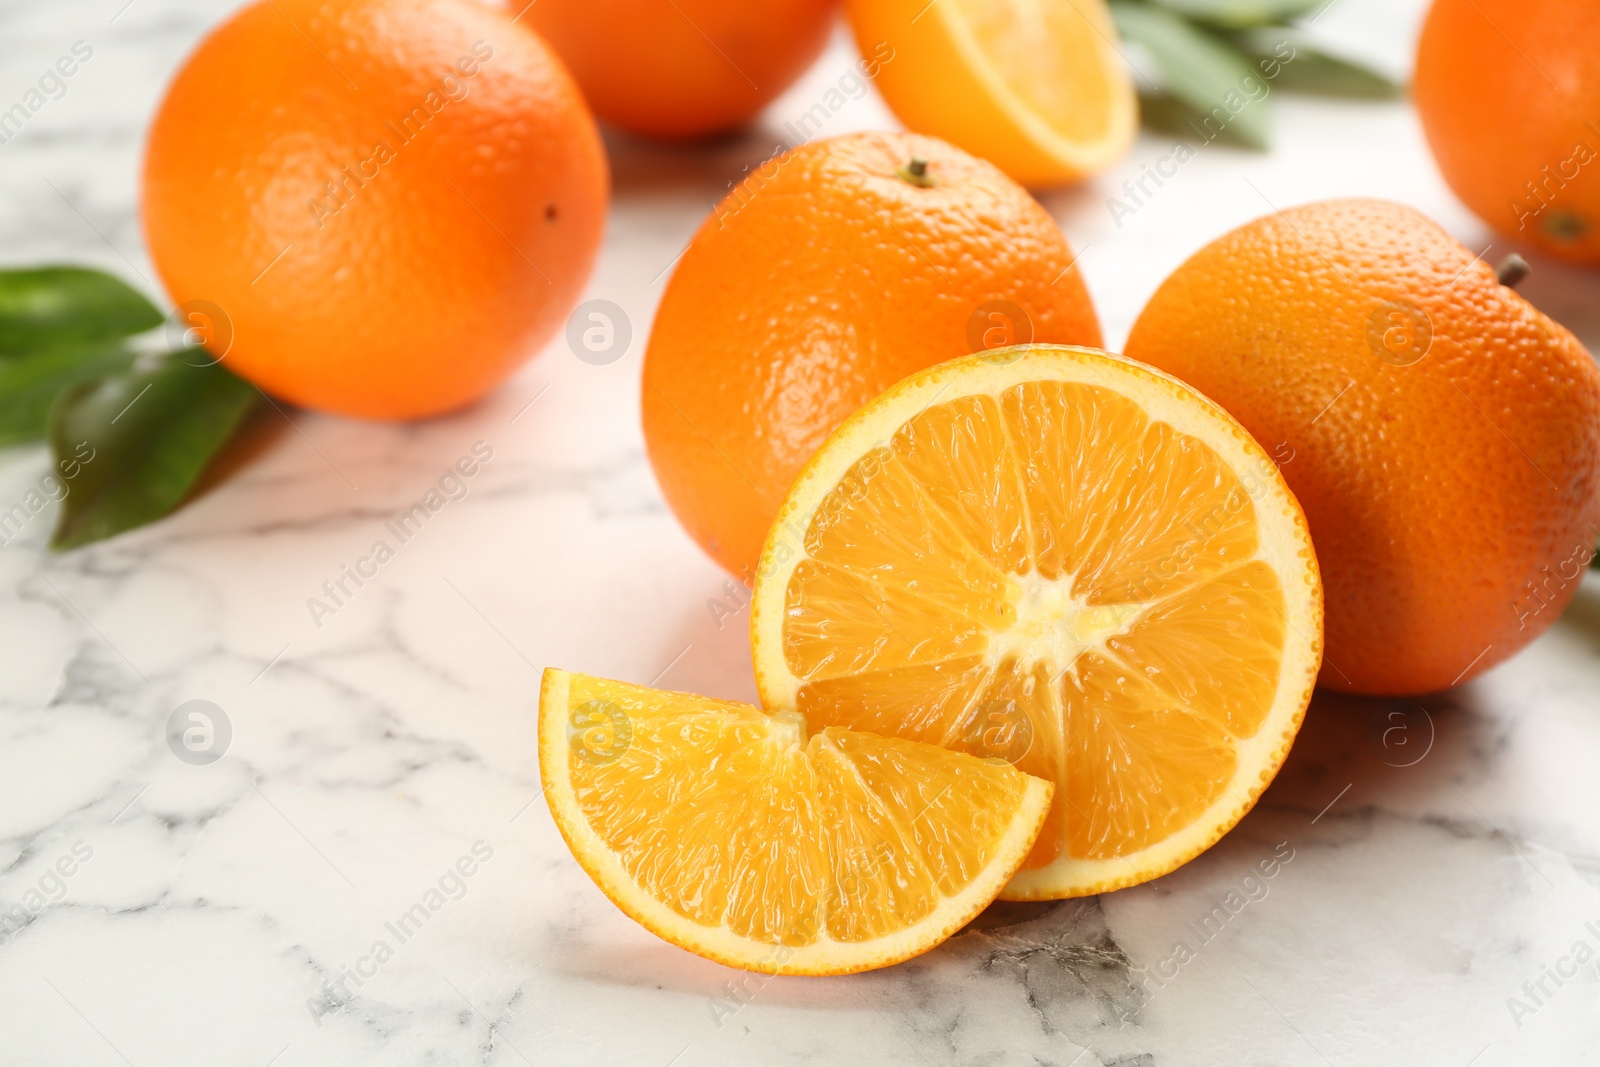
<point x="1509" y="94"/>
<point x="1442" y="435"/>
<point x="829" y="274"/>
<point x="682" y="68"/>
<point x="388" y="204"/>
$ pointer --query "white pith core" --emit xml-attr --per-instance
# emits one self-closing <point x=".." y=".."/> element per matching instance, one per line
<point x="787" y="728"/>
<point x="1053" y="627"/>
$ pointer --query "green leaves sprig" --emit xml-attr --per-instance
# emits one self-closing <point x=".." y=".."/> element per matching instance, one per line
<point x="1219" y="61"/>
<point x="129" y="430"/>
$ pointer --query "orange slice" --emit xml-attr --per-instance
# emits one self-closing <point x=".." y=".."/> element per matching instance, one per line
<point x="737" y="836"/>
<point x="1068" y="560"/>
<point x="1037" y="87"/>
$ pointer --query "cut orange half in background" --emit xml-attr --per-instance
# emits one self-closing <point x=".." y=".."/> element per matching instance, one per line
<point x="1067" y="560"/>
<point x="739" y="836"/>
<point x="1037" y="87"/>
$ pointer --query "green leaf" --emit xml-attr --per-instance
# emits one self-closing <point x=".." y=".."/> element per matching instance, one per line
<point x="1201" y="70"/>
<point x="1161" y="113"/>
<point x="66" y="307"/>
<point x="1297" y="62"/>
<point x="140" y="439"/>
<point x="1236" y="14"/>
<point x="29" y="384"/>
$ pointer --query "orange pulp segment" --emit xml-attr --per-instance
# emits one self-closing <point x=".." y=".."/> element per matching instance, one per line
<point x="735" y="835"/>
<point x="1067" y="560"/>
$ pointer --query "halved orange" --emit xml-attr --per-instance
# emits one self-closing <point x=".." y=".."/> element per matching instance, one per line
<point x="735" y="835"/>
<point x="1066" y="559"/>
<point x="1037" y="87"/>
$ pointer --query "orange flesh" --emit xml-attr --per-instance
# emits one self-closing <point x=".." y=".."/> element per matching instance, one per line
<point x="1051" y="577"/>
<point x="1051" y="55"/>
<point x="734" y="818"/>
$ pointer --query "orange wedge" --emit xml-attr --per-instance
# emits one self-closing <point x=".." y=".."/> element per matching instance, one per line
<point x="1067" y="560"/>
<point x="737" y="836"/>
<point x="1037" y="87"/>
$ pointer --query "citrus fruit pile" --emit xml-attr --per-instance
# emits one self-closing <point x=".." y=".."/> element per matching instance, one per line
<point x="1030" y="620"/>
<point x="1043" y="558"/>
<point x="382" y="208"/>
<point x="1067" y="562"/>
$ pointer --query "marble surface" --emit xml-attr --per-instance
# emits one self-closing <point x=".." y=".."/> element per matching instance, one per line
<point x="1436" y="892"/>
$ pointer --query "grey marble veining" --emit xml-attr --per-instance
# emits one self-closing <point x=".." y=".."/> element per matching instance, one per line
<point x="1434" y="886"/>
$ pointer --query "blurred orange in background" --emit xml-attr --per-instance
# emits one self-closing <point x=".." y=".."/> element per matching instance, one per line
<point x="1509" y="95"/>
<point x="682" y="68"/>
<point x="1037" y="87"/>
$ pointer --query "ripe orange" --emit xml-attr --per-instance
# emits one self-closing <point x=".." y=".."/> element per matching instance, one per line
<point x="1068" y="561"/>
<point x="682" y="68"/>
<point x="1442" y="435"/>
<point x="392" y="202"/>
<point x="1509" y="94"/>
<point x="1040" y="89"/>
<point x="740" y="836"/>
<point x="828" y="275"/>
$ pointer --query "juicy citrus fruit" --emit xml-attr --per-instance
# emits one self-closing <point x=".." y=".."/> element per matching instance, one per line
<point x="1509" y="96"/>
<point x="1067" y="560"/>
<point x="1442" y="434"/>
<point x="682" y="68"/>
<point x="827" y="276"/>
<point x="1035" y="86"/>
<point x="380" y="207"/>
<point x="733" y="834"/>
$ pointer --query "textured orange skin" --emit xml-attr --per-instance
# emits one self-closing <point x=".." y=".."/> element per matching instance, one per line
<point x="1453" y="501"/>
<point x="682" y="68"/>
<point x="413" y="297"/>
<point x="1507" y="88"/>
<point x="817" y="284"/>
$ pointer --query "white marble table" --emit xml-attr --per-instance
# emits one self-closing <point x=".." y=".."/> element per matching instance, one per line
<point x="1437" y="859"/>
